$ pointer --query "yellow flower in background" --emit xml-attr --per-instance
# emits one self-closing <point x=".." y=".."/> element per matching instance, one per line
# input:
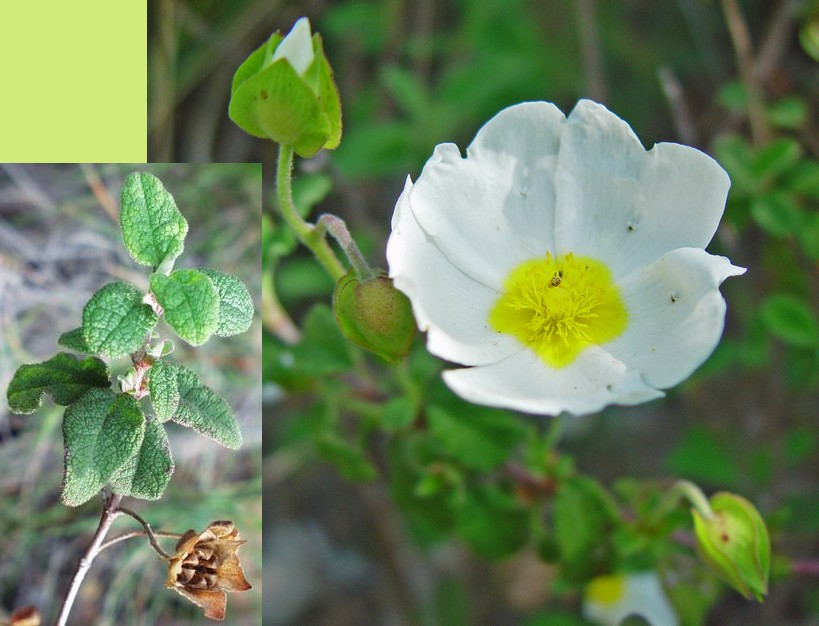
<point x="206" y="566"/>
<point x="561" y="262"/>
<point x="608" y="600"/>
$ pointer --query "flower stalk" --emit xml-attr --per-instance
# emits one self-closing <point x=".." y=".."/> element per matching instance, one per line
<point x="307" y="233"/>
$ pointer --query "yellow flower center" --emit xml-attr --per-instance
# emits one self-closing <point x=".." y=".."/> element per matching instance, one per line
<point x="605" y="589"/>
<point x="560" y="306"/>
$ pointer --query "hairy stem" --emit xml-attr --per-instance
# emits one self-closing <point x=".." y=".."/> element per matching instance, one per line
<point x="338" y="229"/>
<point x="110" y="512"/>
<point x="307" y="233"/>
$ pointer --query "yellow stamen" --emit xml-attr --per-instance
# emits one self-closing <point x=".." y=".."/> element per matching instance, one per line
<point x="560" y="306"/>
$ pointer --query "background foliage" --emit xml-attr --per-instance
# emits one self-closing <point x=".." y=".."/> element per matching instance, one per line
<point x="369" y="512"/>
<point x="59" y="243"/>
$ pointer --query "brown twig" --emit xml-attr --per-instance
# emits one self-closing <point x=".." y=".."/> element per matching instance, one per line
<point x="683" y="124"/>
<point x="148" y="531"/>
<point x="741" y="39"/>
<point x="590" y="50"/>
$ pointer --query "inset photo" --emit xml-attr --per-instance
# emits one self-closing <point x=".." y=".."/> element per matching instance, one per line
<point x="130" y="361"/>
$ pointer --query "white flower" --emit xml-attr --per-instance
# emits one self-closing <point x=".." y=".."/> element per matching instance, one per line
<point x="562" y="262"/>
<point x="608" y="600"/>
<point x="296" y="47"/>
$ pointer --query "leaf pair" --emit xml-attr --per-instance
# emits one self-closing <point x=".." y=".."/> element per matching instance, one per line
<point x="107" y="437"/>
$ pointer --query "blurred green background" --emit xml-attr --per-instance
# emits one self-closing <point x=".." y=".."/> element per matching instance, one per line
<point x="739" y="80"/>
<point x="60" y="242"/>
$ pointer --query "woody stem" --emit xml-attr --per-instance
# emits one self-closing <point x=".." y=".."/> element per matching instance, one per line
<point x="148" y="531"/>
<point x="110" y="512"/>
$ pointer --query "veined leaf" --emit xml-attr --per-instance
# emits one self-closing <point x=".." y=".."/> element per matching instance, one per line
<point x="115" y="320"/>
<point x="153" y="229"/>
<point x="102" y="430"/>
<point x="205" y="411"/>
<point x="147" y="473"/>
<point x="64" y="377"/>
<point x="74" y="340"/>
<point x="191" y="303"/>
<point x="164" y="390"/>
<point x="235" y="303"/>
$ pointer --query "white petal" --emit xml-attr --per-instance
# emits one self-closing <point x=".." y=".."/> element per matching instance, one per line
<point x="495" y="208"/>
<point x="525" y="383"/>
<point x="676" y="315"/>
<point x="451" y="306"/>
<point x="626" y="206"/>
<point x="297" y="47"/>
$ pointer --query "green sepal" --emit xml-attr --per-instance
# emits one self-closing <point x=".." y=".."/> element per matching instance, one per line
<point x="147" y="473"/>
<point x="64" y="377"/>
<point x="115" y="320"/>
<point x="164" y="390"/>
<point x="374" y="315"/>
<point x="205" y="411"/>
<point x="734" y="543"/>
<point x="102" y="430"/>
<point x="74" y="340"/>
<point x="153" y="229"/>
<point x="190" y="302"/>
<point x="274" y="102"/>
<point x="235" y="303"/>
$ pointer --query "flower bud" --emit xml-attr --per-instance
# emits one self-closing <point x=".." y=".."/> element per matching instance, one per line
<point x="374" y="315"/>
<point x="734" y="543"/>
<point x="285" y="91"/>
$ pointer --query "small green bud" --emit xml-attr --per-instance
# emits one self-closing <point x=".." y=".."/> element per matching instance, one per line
<point x="285" y="91"/>
<point x="373" y="314"/>
<point x="734" y="543"/>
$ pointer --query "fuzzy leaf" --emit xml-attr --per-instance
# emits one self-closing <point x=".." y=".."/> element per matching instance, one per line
<point x="153" y="229"/>
<point x="102" y="430"/>
<point x="74" y="340"/>
<point x="115" y="320"/>
<point x="146" y="474"/>
<point x="64" y="377"/>
<point x="191" y="303"/>
<point x="164" y="390"/>
<point x="205" y="411"/>
<point x="235" y="304"/>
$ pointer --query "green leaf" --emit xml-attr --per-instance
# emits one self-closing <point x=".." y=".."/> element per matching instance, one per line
<point x="776" y="213"/>
<point x="74" y="340"/>
<point x="164" y="390"/>
<point x="347" y="459"/>
<point x="102" y="430"/>
<point x="791" y="113"/>
<point x="322" y="350"/>
<point x="205" y="411"/>
<point x="583" y="523"/>
<point x="146" y="474"/>
<point x="479" y="438"/>
<point x="777" y="157"/>
<point x="64" y="377"/>
<point x="235" y="303"/>
<point x="190" y="302"/>
<point x="115" y="320"/>
<point x="492" y="521"/>
<point x="153" y="229"/>
<point x="791" y="320"/>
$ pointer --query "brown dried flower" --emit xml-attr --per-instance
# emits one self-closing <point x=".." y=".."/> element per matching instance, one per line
<point x="205" y="567"/>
